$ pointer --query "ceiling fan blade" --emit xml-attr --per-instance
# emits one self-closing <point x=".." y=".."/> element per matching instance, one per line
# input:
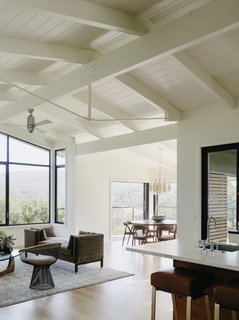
<point x="12" y="125"/>
<point x="42" y="123"/>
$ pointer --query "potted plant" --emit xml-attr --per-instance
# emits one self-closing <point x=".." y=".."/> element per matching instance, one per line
<point x="2" y="234"/>
<point x="6" y="242"/>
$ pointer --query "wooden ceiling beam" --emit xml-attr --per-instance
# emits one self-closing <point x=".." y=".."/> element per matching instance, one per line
<point x="163" y="40"/>
<point x="172" y="113"/>
<point x="163" y="133"/>
<point x="22" y="77"/>
<point x="44" y="51"/>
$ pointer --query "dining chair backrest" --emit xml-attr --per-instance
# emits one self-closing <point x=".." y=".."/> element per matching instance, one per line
<point x="138" y="227"/>
<point x="141" y="233"/>
<point x="166" y="232"/>
<point x="128" y="230"/>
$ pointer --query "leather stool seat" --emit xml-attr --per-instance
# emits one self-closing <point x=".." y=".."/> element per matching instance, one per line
<point x="226" y="295"/>
<point x="183" y="282"/>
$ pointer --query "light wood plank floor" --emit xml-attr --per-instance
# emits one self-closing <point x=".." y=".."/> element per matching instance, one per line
<point x="127" y="298"/>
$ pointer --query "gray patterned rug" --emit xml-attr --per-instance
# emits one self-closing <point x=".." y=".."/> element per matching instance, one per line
<point x="14" y="287"/>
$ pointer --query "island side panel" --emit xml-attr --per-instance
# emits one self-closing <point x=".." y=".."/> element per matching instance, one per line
<point x="198" y="306"/>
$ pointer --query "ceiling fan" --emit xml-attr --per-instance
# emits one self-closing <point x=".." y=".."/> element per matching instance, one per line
<point x="31" y="121"/>
<point x="31" y="124"/>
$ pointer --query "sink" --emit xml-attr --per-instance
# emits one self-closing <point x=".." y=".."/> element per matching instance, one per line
<point x="225" y="246"/>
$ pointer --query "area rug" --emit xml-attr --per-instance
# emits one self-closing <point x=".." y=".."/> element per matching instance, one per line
<point x="14" y="287"/>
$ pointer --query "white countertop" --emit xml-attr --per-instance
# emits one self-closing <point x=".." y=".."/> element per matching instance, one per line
<point x="190" y="252"/>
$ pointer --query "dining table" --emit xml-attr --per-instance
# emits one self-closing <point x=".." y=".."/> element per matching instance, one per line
<point x="155" y="228"/>
<point x="151" y="222"/>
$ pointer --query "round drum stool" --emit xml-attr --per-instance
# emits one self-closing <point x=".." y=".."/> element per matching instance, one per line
<point x="226" y="295"/>
<point x="41" y="256"/>
<point x="184" y="282"/>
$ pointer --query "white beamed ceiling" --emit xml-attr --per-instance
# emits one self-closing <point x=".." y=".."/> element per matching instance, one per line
<point x="143" y="59"/>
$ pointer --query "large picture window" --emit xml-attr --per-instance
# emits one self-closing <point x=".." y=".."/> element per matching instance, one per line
<point x="24" y="182"/>
<point x="60" y="193"/>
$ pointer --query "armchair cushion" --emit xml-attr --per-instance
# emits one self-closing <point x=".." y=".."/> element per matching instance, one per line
<point x="84" y="232"/>
<point x="41" y="233"/>
<point x="49" y="232"/>
<point x="70" y="243"/>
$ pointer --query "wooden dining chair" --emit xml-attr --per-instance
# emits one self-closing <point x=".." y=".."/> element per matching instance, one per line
<point x="142" y="233"/>
<point x="128" y="231"/>
<point x="166" y="232"/>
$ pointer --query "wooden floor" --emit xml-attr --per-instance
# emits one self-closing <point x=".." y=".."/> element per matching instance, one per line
<point x="122" y="299"/>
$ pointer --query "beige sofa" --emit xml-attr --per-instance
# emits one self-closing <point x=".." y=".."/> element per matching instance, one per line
<point x="79" y="249"/>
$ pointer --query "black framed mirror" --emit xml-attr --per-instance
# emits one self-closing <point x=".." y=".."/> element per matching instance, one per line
<point x="220" y="189"/>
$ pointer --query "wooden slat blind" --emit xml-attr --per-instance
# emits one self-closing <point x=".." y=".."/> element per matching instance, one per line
<point x="218" y="207"/>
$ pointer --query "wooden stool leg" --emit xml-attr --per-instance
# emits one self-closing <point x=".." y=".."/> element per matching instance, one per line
<point x="175" y="309"/>
<point x="234" y="315"/>
<point x="188" y="308"/>
<point x="153" y="303"/>
<point x="216" y="311"/>
<point x="207" y="306"/>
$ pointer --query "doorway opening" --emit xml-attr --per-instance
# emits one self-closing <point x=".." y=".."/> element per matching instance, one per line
<point x="130" y="201"/>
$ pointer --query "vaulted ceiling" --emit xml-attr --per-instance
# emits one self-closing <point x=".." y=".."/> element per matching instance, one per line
<point x="108" y="70"/>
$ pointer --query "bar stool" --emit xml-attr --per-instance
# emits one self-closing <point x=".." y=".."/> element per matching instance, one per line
<point x="226" y="295"/>
<point x="183" y="282"/>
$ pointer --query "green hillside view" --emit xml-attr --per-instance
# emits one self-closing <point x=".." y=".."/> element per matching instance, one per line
<point x="28" y="195"/>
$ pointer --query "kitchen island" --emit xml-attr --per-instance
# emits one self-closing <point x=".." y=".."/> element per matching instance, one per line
<point x="224" y="264"/>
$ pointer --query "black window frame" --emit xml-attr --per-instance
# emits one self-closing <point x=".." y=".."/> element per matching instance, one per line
<point x="204" y="182"/>
<point x="7" y="164"/>
<point x="59" y="166"/>
<point x="146" y="200"/>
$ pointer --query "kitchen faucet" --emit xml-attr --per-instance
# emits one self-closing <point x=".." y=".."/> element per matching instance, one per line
<point x="208" y="226"/>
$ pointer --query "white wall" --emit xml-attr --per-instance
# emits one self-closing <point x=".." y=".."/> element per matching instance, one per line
<point x="212" y="125"/>
<point x="94" y="174"/>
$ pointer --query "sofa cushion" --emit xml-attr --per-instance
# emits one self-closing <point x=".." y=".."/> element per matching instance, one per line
<point x="42" y="234"/>
<point x="64" y="252"/>
<point x="49" y="232"/>
<point x="64" y="244"/>
<point x="83" y="232"/>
